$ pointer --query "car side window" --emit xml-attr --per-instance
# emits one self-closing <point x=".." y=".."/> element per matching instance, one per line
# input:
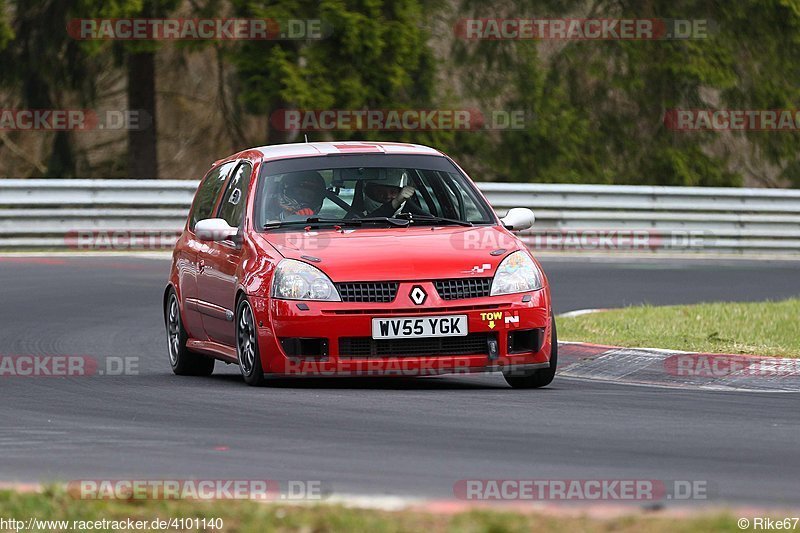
<point x="231" y="209"/>
<point x="207" y="193"/>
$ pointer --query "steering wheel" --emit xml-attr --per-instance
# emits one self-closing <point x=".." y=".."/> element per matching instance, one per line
<point x="411" y="205"/>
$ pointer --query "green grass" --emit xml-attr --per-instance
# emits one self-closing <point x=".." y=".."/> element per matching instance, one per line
<point x="761" y="328"/>
<point x="243" y="516"/>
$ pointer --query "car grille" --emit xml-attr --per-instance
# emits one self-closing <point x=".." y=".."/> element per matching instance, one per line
<point x="370" y="292"/>
<point x="472" y="344"/>
<point x="457" y="289"/>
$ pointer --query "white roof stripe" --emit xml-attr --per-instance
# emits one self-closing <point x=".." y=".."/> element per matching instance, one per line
<point x="278" y="151"/>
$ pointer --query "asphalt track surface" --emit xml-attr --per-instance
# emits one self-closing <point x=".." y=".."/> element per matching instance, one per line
<point x="408" y="437"/>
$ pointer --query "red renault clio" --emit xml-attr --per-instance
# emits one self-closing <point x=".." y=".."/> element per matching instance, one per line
<point x="353" y="259"/>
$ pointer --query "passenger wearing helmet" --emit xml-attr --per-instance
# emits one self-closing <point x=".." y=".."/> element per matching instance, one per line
<point x="302" y="194"/>
<point x="382" y="200"/>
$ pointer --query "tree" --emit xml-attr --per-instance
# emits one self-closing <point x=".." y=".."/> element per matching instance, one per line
<point x="599" y="106"/>
<point x="594" y="109"/>
<point x="6" y="33"/>
<point x="42" y="61"/>
<point x="48" y="68"/>
<point x="375" y="56"/>
<point x="140" y="62"/>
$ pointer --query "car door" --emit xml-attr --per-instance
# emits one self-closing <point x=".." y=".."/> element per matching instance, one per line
<point x="217" y="282"/>
<point x="189" y="247"/>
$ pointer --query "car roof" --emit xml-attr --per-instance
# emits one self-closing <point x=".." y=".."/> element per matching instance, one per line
<point x="280" y="151"/>
<point x="287" y="151"/>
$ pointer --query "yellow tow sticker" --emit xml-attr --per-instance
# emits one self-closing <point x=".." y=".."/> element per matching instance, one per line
<point x="492" y="318"/>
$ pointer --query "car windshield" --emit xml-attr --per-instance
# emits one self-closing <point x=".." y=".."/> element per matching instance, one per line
<point x="367" y="189"/>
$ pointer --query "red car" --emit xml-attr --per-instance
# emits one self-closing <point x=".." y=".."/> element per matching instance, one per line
<point x="355" y="258"/>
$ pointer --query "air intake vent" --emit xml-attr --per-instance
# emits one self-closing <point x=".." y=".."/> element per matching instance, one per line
<point x="365" y="347"/>
<point x="368" y="292"/>
<point x="459" y="289"/>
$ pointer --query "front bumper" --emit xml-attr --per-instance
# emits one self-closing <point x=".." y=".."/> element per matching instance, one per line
<point x="318" y="338"/>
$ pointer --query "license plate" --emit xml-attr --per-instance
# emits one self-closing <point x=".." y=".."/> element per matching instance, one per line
<point x="419" y="327"/>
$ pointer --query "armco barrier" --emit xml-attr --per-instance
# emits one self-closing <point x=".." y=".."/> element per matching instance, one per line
<point x="48" y="213"/>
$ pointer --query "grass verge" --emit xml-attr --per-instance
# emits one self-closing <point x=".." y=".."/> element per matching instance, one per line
<point x="761" y="328"/>
<point x="244" y="516"/>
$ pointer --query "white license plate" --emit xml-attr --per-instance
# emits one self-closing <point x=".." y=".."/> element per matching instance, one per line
<point x="419" y="327"/>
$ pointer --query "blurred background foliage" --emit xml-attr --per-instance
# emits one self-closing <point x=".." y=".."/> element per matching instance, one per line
<point x="594" y="109"/>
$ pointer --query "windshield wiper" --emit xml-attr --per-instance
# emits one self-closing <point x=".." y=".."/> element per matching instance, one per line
<point x="316" y="221"/>
<point x="399" y="222"/>
<point x="312" y="221"/>
<point x="431" y="218"/>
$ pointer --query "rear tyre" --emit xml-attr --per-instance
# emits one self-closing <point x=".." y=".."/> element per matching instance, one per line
<point x="537" y="378"/>
<point x="183" y="361"/>
<point x="247" y="345"/>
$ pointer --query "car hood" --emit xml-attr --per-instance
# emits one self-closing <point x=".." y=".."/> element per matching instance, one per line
<point x="398" y="254"/>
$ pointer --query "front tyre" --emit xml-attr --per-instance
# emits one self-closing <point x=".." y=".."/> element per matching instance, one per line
<point x="183" y="361"/>
<point x="537" y="378"/>
<point x="247" y="344"/>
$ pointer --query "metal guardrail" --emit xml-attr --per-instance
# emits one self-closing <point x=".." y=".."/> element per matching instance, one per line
<point x="49" y="213"/>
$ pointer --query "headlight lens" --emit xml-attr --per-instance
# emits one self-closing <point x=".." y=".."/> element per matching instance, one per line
<point x="517" y="273"/>
<point x="295" y="280"/>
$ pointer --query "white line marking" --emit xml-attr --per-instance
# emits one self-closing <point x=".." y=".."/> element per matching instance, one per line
<point x="580" y="312"/>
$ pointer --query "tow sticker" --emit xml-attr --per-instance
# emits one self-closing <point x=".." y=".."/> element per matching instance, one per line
<point x="493" y="319"/>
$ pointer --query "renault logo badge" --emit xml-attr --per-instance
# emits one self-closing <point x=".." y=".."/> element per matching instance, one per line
<point x="418" y="295"/>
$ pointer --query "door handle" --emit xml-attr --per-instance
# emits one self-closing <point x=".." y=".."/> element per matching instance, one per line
<point x="201" y="266"/>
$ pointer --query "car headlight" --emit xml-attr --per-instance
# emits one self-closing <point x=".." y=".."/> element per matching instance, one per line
<point x="517" y="273"/>
<point x="295" y="280"/>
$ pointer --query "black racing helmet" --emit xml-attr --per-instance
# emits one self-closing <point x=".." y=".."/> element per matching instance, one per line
<point x="305" y="189"/>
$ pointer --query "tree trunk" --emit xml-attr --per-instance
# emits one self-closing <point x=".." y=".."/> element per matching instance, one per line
<point x="62" y="162"/>
<point x="142" y="153"/>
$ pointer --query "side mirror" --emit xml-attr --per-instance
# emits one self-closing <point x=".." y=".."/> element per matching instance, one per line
<point x="214" y="229"/>
<point x="518" y="218"/>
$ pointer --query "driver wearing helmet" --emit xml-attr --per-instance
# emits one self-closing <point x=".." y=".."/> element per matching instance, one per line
<point x="302" y="194"/>
<point x="382" y="200"/>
